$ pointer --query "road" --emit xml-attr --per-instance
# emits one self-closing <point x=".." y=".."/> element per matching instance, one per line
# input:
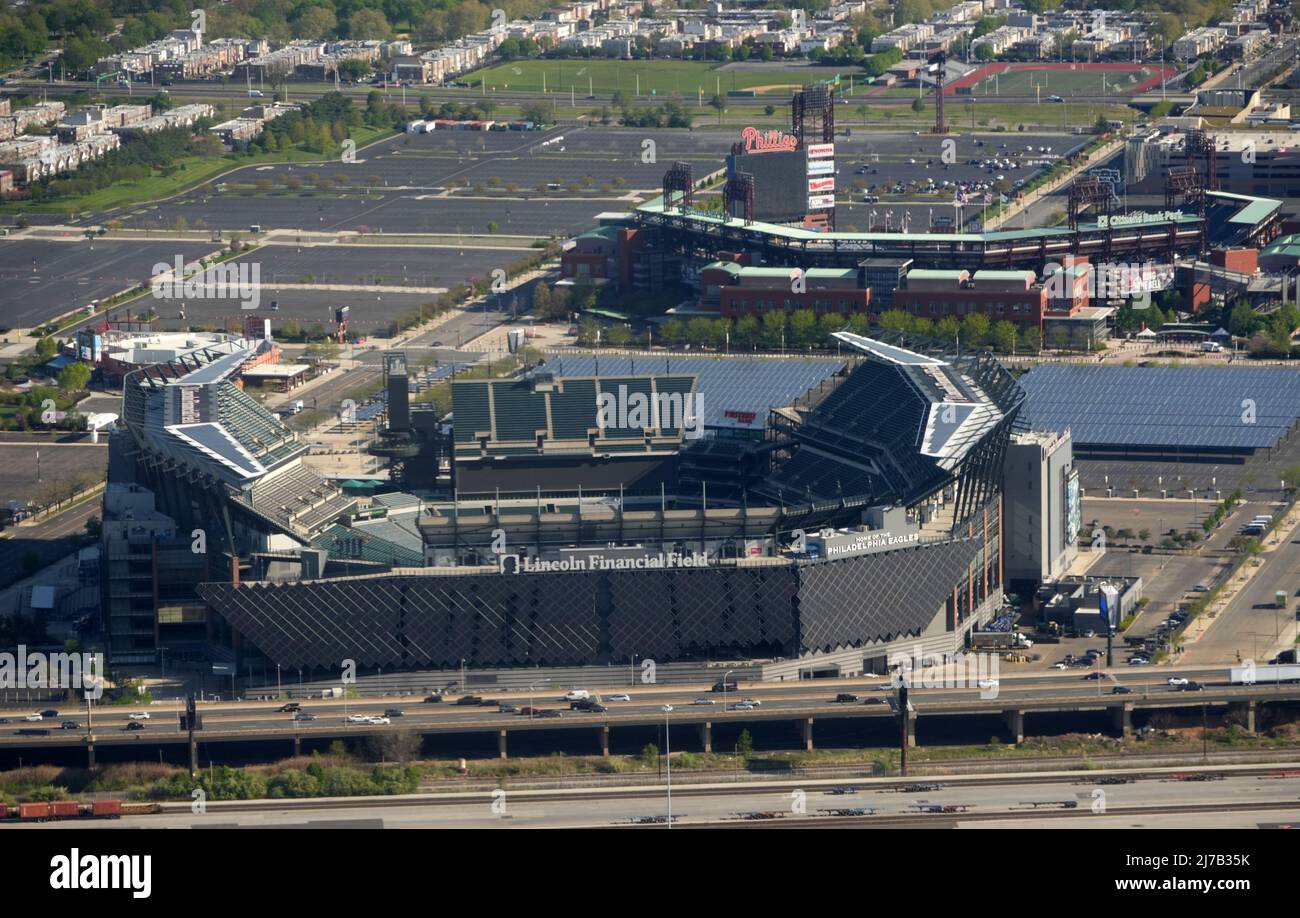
<point x="1151" y="799"/>
<point x="1252" y="626"/>
<point x="1052" y="690"/>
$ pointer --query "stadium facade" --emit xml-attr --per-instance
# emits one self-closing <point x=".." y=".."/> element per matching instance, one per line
<point x="865" y="520"/>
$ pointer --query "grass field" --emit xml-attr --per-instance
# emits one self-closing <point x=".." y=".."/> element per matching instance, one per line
<point x="657" y="78"/>
<point x="189" y="172"/>
<point x="1117" y="80"/>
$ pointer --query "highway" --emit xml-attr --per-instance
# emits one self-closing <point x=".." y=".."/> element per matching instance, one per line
<point x="1243" y="797"/>
<point x="1049" y="692"/>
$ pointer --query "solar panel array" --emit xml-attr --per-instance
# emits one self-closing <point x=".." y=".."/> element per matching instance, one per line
<point x="732" y="388"/>
<point x="1233" y="408"/>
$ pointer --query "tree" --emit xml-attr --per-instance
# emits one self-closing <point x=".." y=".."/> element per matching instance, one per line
<point x="803" y="327"/>
<point x="74" y="377"/>
<point x="975" y="329"/>
<point x="773" y="332"/>
<point x="618" y="335"/>
<point x="947" y="329"/>
<point x="1242" y="320"/>
<point x="918" y="105"/>
<point x="46" y="348"/>
<point x="368" y="23"/>
<point x="744" y="744"/>
<point x="316" y="23"/>
<point x="1004" y="336"/>
<point x="673" y="332"/>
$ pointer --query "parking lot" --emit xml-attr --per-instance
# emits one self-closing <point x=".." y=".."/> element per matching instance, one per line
<point x="42" y="280"/>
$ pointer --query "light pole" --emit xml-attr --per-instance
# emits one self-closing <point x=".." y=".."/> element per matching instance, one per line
<point x="668" y="759"/>
<point x="464" y="689"/>
<point x="277" y="681"/>
<point x="724" y="690"/>
<point x="632" y="671"/>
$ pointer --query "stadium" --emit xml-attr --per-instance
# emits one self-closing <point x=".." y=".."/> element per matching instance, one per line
<point x="826" y="513"/>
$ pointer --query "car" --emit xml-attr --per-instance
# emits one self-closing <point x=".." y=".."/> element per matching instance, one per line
<point x="1190" y="687"/>
<point x="392" y="712"/>
<point x="1201" y="588"/>
<point x="357" y="719"/>
<point x="621" y="696"/>
<point x="742" y="706"/>
<point x="753" y="701"/>
<point x="468" y="699"/>
<point x="1178" y="680"/>
<point x="378" y="721"/>
<point x="1055" y="98"/>
<point x="50" y="713"/>
<point x="433" y="699"/>
<point x="1061" y="665"/>
<point x="845" y="698"/>
<point x="504" y="708"/>
<point x="724" y="687"/>
<point x="875" y="701"/>
<point x="138" y="715"/>
<point x="33" y="718"/>
<point x="596" y="708"/>
<point x="987" y="683"/>
<point x="550" y="712"/>
<point x="134" y="725"/>
<point x="288" y="708"/>
<point x="71" y="725"/>
<point x="703" y="701"/>
<point x="303" y="716"/>
<point x="1139" y="661"/>
<point x="1093" y="676"/>
<point x="1121" y="690"/>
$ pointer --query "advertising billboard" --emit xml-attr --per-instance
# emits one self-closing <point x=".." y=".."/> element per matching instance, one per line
<point x="1073" y="507"/>
<point x="779" y="178"/>
<point x="821" y="150"/>
<point x="821" y="185"/>
<point x="821" y="167"/>
<point x="821" y="202"/>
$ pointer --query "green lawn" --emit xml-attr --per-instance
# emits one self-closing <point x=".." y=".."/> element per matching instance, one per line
<point x="604" y="77"/>
<point x="189" y="172"/>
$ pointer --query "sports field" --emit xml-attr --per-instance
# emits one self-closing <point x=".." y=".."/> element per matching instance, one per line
<point x="1063" y="79"/>
<point x="603" y="77"/>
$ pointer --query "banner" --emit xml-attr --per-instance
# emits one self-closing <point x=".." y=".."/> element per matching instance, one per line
<point x="821" y="201"/>
<point x="821" y="150"/>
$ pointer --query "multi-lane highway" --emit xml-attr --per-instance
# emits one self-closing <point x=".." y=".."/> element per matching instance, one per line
<point x="1237" y="796"/>
<point x="1054" y="692"/>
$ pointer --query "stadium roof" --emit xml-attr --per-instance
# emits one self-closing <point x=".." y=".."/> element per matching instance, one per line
<point x="737" y="392"/>
<point x="1170" y="408"/>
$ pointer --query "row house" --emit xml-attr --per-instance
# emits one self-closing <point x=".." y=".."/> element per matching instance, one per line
<point x="42" y="113"/>
<point x="56" y="158"/>
<point x="237" y="130"/>
<point x="1197" y="42"/>
<point x="181" y="116"/>
<point x="904" y="38"/>
<point x="281" y="62"/>
<point x="1000" y="39"/>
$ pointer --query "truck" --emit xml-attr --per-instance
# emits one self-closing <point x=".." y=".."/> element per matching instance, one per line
<point x="1250" y="675"/>
<point x="332" y="693"/>
<point x="998" y="640"/>
<point x="1279" y="599"/>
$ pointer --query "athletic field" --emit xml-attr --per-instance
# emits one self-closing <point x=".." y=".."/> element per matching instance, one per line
<point x="1062" y="79"/>
<point x="604" y="77"/>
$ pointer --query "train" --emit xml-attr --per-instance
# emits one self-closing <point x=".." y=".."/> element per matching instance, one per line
<point x="72" y="809"/>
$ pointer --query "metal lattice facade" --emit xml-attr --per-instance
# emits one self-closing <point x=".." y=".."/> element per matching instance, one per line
<point x="593" y="618"/>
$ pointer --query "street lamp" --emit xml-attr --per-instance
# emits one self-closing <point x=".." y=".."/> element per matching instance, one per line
<point x="724" y="689"/>
<point x="668" y="758"/>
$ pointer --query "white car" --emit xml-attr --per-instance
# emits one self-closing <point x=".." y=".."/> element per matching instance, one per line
<point x="378" y="721"/>
<point x="1060" y="666"/>
<point x="619" y="697"/>
<point x="139" y="715"/>
<point x="987" y="683"/>
<point x="743" y="706"/>
<point x="357" y="719"/>
<point x="703" y="701"/>
<point x="1177" y="680"/>
<point x="752" y="702"/>
<point x="32" y="718"/>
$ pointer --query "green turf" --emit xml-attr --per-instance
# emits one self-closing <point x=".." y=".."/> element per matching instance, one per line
<point x="1063" y="82"/>
<point x="656" y="78"/>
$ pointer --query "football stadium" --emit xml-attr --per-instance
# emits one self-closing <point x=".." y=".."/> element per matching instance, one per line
<point x="809" y="514"/>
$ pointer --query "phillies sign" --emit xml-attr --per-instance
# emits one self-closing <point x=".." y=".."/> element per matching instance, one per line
<point x="757" y="141"/>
